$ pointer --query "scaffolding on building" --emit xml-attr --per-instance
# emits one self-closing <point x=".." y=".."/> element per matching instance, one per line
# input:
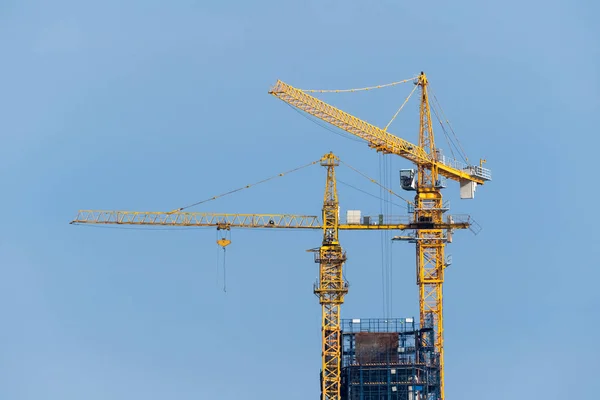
<point x="388" y="359"/>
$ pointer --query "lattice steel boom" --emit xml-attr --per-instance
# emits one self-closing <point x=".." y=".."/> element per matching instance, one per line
<point x="429" y="208"/>
<point x="376" y="137"/>
<point x="227" y="221"/>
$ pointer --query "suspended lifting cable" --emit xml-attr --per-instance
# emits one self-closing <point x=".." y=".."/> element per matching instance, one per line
<point x="381" y="244"/>
<point x="385" y="167"/>
<point x="358" y="89"/>
<point x="224" y="270"/>
<point x="388" y="240"/>
<point x="218" y="261"/>
<point x="244" y="187"/>
<point x="223" y="241"/>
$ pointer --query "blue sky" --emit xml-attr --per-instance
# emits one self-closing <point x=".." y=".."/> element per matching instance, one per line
<point x="144" y="106"/>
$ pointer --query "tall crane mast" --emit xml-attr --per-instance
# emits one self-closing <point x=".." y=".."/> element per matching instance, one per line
<point x="428" y="205"/>
<point x="331" y="286"/>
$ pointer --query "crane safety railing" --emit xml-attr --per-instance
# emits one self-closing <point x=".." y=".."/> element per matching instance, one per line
<point x="379" y="219"/>
<point x="356" y="325"/>
<point x="480" y="172"/>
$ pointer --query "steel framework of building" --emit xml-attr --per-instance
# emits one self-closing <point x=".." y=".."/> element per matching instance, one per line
<point x="384" y="359"/>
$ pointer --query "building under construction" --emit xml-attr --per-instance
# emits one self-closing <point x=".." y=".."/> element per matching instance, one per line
<point x="388" y="359"/>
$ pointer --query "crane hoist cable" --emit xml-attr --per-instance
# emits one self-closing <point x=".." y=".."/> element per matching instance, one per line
<point x="245" y="187"/>
<point x="388" y="235"/>
<point x="385" y="169"/>
<point x="223" y="240"/>
<point x="217" y="262"/>
<point x="400" y="109"/>
<point x="359" y="89"/>
<point x="382" y="193"/>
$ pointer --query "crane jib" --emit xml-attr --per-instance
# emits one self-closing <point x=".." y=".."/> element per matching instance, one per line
<point x="377" y="137"/>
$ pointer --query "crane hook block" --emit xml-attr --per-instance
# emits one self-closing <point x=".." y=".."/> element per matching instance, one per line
<point x="223" y="242"/>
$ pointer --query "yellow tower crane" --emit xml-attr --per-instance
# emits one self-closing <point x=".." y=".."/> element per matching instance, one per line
<point x="331" y="287"/>
<point x="428" y="205"/>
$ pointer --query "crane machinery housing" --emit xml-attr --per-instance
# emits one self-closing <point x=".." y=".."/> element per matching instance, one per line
<point x="426" y="181"/>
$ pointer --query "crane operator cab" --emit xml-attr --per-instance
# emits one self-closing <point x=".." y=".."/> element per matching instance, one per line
<point x="408" y="179"/>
